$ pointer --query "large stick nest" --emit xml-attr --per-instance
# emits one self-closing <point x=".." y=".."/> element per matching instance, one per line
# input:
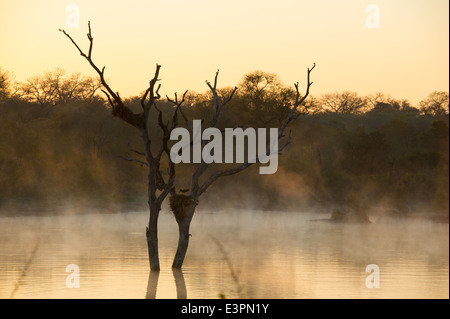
<point x="179" y="204"/>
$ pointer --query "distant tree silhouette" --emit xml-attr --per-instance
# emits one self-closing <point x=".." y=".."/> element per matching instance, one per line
<point x="265" y="88"/>
<point x="379" y="102"/>
<point x="346" y="102"/>
<point x="436" y="104"/>
<point x="5" y="84"/>
<point x="265" y="98"/>
<point x="57" y="88"/>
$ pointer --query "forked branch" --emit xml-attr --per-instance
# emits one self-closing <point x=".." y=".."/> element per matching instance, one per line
<point x="218" y="107"/>
<point x="298" y="101"/>
<point x="117" y="105"/>
<point x="167" y="129"/>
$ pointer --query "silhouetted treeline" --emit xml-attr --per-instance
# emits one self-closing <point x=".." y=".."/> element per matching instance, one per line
<point x="60" y="147"/>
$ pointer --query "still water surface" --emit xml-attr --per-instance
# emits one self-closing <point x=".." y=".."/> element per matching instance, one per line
<point x="232" y="254"/>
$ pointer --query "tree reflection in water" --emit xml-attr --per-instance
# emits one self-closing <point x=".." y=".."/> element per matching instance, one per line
<point x="152" y="285"/>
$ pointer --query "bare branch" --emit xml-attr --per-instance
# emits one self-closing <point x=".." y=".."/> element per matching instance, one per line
<point x="74" y="43"/>
<point x="157" y="92"/>
<point x="134" y="151"/>
<point x="219" y="107"/>
<point x="195" y="187"/>
<point x="167" y="128"/>
<point x="227" y="172"/>
<point x="215" y="79"/>
<point x="144" y="97"/>
<point x="298" y="101"/>
<point x="109" y="98"/>
<point x="154" y="95"/>
<point x="118" y="107"/>
<point x="288" y="141"/>
<point x="197" y="190"/>
<point x="91" y="41"/>
<point x="168" y="187"/>
<point x="132" y="159"/>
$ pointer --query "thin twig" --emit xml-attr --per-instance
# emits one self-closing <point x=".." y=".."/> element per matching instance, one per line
<point x="132" y="159"/>
<point x="135" y="151"/>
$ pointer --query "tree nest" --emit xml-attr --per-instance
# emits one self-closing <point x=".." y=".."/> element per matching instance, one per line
<point x="179" y="204"/>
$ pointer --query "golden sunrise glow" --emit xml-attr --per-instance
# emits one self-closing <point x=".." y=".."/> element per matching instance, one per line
<point x="406" y="57"/>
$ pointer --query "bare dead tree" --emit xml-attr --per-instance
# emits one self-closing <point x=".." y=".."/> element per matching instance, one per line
<point x="158" y="188"/>
<point x="183" y="205"/>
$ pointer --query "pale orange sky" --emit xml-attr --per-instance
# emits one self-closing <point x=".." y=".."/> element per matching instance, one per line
<point x="406" y="57"/>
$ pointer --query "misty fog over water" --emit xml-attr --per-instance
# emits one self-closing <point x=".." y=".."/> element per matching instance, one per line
<point x="232" y="254"/>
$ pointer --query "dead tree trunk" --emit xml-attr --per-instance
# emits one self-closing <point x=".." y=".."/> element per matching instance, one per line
<point x="183" y="208"/>
<point x="152" y="238"/>
<point x="183" y="240"/>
